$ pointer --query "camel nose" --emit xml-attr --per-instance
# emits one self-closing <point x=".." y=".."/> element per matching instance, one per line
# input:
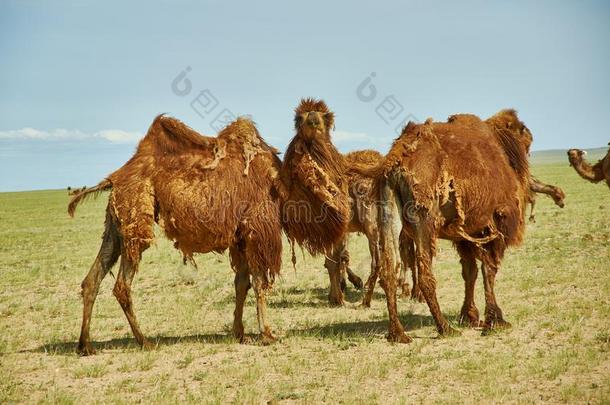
<point x="313" y="120"/>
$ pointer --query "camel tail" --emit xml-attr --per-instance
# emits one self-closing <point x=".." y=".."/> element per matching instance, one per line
<point x="89" y="192"/>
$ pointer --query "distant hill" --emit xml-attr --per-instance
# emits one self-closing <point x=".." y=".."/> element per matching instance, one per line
<point x="541" y="157"/>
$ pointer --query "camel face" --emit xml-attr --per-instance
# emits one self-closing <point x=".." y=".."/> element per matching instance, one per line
<point x="525" y="131"/>
<point x="558" y="197"/>
<point x="312" y="124"/>
<point x="520" y="131"/>
<point x="575" y="155"/>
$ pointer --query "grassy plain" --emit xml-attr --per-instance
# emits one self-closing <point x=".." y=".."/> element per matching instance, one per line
<point x="555" y="290"/>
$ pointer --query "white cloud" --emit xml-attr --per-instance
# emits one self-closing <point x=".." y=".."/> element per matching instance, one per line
<point x="347" y="141"/>
<point x="59" y="134"/>
<point x="118" y="136"/>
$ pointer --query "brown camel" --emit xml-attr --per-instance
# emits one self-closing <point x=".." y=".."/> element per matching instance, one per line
<point x="322" y="203"/>
<point x="536" y="186"/>
<point x="467" y="181"/>
<point x="364" y="220"/>
<point x="208" y="194"/>
<point x="596" y="173"/>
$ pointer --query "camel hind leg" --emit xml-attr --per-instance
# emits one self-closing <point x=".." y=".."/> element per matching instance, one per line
<point x="425" y="240"/>
<point x="106" y="258"/>
<point x="122" y="292"/>
<point x="242" y="285"/>
<point x="336" y="273"/>
<point x="373" y="237"/>
<point x="259" y="283"/>
<point x="469" y="315"/>
<point x="493" y="314"/>
<point x="387" y="273"/>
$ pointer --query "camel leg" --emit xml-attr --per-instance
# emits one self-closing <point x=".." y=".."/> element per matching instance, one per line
<point x="408" y="254"/>
<point x="532" y="217"/>
<point x="387" y="281"/>
<point x="424" y="245"/>
<point x="122" y="292"/>
<point x="370" y="286"/>
<point x="242" y="285"/>
<point x="351" y="276"/>
<point x="407" y="261"/>
<point x="106" y="258"/>
<point x="493" y="313"/>
<point x="387" y="273"/>
<point x="354" y="279"/>
<point x="337" y="281"/>
<point x="469" y="315"/>
<point x="403" y="284"/>
<point x="261" y="310"/>
<point x="372" y="238"/>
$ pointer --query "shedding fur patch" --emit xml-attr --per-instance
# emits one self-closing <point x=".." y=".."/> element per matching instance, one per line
<point x="219" y="153"/>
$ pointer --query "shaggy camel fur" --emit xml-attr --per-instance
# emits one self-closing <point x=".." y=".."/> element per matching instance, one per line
<point x="467" y="181"/>
<point x="596" y="173"/>
<point x="208" y="194"/>
<point x="321" y="202"/>
<point x="536" y="186"/>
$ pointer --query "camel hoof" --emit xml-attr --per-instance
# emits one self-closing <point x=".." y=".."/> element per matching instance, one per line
<point x="267" y="339"/>
<point x="86" y="349"/>
<point x="493" y="326"/>
<point x="355" y="280"/>
<point x="335" y="302"/>
<point x="147" y="345"/>
<point x="401" y="337"/>
<point x="471" y="323"/>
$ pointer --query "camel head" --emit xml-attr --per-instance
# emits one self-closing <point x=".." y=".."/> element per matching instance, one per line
<point x="313" y="120"/>
<point x="558" y="196"/>
<point x="509" y="120"/>
<point x="575" y="156"/>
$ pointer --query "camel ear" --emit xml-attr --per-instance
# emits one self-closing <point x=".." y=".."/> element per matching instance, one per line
<point x="329" y="120"/>
<point x="298" y="120"/>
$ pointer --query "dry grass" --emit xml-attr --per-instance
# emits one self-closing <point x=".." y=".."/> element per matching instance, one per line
<point x="555" y="290"/>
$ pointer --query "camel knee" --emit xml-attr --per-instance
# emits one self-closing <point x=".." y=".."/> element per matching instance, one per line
<point x="122" y="293"/>
<point x="426" y="282"/>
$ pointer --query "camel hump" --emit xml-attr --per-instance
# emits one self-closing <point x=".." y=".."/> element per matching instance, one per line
<point x="243" y="131"/>
<point x="366" y="156"/>
<point x="463" y="118"/>
<point x="179" y="132"/>
<point x="243" y="128"/>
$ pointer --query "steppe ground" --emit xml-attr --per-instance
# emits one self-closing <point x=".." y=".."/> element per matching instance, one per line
<point x="555" y="290"/>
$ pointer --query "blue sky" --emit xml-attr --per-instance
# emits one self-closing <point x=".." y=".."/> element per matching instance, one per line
<point x="80" y="82"/>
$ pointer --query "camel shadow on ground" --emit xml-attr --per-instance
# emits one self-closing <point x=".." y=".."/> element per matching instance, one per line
<point x="362" y="329"/>
<point x="346" y="330"/>
<point x="319" y="298"/>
